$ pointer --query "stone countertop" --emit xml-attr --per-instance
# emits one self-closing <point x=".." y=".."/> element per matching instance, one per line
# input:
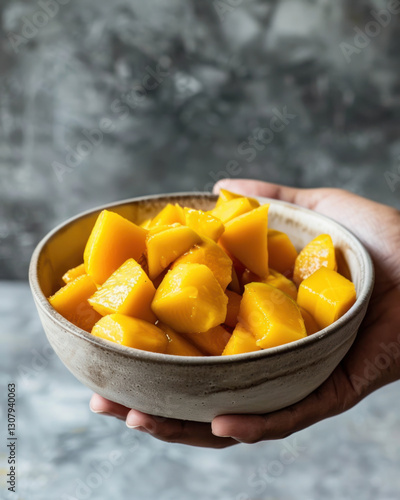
<point x="65" y="452"/>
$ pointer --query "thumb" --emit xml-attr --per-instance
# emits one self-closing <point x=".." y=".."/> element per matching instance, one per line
<point x="308" y="198"/>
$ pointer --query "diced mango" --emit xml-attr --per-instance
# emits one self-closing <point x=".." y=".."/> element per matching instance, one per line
<point x="204" y="223"/>
<point x="245" y="237"/>
<point x="170" y="214"/>
<point x="166" y="244"/>
<point x="271" y="315"/>
<point x="275" y="279"/>
<point x="212" y="342"/>
<point x="211" y="255"/>
<point x="241" y="341"/>
<point x="281" y="252"/>
<point x="146" y="224"/>
<point x="74" y="273"/>
<point x="309" y="322"/>
<point x="320" y="252"/>
<point x="127" y="291"/>
<point x="235" y="285"/>
<point x="190" y="299"/>
<point x="71" y="301"/>
<point x="177" y="344"/>
<point x="231" y="209"/>
<point x="326" y="295"/>
<point x="131" y="332"/>
<point x="233" y="308"/>
<point x="225" y="195"/>
<point x="112" y="241"/>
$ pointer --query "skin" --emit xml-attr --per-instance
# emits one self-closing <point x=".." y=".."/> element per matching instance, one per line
<point x="372" y="362"/>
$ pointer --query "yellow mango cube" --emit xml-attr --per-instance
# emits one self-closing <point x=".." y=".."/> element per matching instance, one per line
<point x="203" y="223"/>
<point x="131" y="332"/>
<point x="211" y="255"/>
<point x="170" y="214"/>
<point x="245" y="237"/>
<point x="190" y="299"/>
<point x="212" y="342"/>
<point x="233" y="308"/>
<point x="165" y="244"/>
<point x="281" y="252"/>
<point x="326" y="295"/>
<point x="71" y="301"/>
<point x="275" y="279"/>
<point x="112" y="241"/>
<point x="74" y="273"/>
<point x="231" y="209"/>
<point x="241" y="341"/>
<point x="309" y="322"/>
<point x="177" y="344"/>
<point x="127" y="291"/>
<point x="270" y="315"/>
<point x="225" y="195"/>
<point x="320" y="252"/>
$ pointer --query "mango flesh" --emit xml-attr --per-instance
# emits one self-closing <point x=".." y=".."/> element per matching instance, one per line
<point x="233" y="308"/>
<point x="225" y="195"/>
<point x="231" y="209"/>
<point x="71" y="301"/>
<point x="212" y="342"/>
<point x="127" y="291"/>
<point x="245" y="237"/>
<point x="270" y="315"/>
<point x="211" y="255"/>
<point x="112" y="241"/>
<point x="170" y="214"/>
<point x="241" y="341"/>
<point x="309" y="322"/>
<point x="166" y="244"/>
<point x="177" y="344"/>
<point x="190" y="299"/>
<point x="275" y="279"/>
<point x="281" y="252"/>
<point x="74" y="273"/>
<point x="204" y="223"/>
<point x="320" y="252"/>
<point x="131" y="332"/>
<point x="326" y="295"/>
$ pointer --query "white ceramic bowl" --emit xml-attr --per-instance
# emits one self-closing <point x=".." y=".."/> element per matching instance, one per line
<point x="188" y="387"/>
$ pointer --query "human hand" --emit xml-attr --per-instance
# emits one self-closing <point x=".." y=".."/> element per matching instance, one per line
<point x="372" y="362"/>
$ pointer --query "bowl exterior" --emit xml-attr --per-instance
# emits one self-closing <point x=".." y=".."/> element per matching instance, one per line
<point x="200" y="388"/>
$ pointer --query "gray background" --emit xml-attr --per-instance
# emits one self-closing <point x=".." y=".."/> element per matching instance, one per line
<point x="230" y="64"/>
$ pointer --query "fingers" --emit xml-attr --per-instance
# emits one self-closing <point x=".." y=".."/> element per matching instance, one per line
<point x="308" y="198"/>
<point x="177" y="431"/>
<point x="330" y="399"/>
<point x="101" y="405"/>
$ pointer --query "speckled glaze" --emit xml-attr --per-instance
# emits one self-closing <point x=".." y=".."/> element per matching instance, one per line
<point x="187" y="387"/>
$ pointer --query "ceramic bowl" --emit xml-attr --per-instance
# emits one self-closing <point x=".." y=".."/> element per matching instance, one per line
<point x="188" y="387"/>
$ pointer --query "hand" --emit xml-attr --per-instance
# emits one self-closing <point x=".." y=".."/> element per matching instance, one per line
<point x="372" y="362"/>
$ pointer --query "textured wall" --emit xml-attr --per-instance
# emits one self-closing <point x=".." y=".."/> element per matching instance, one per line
<point x="101" y="101"/>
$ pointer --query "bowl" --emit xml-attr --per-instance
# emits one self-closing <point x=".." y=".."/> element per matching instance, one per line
<point x="192" y="388"/>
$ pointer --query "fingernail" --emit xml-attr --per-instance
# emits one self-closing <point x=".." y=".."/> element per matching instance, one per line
<point x="95" y="411"/>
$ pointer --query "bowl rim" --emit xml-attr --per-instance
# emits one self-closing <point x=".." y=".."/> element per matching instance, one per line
<point x="160" y="358"/>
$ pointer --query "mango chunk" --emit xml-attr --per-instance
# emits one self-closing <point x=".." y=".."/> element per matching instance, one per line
<point x="211" y="255"/>
<point x="233" y="308"/>
<point x="212" y="342"/>
<point x="309" y="322"/>
<point x="281" y="252"/>
<point x="235" y="285"/>
<point x="270" y="315"/>
<point x="245" y="237"/>
<point x="74" y="273"/>
<point x="231" y="209"/>
<point x="127" y="291"/>
<point x="177" y="344"/>
<point x="225" y="195"/>
<point x="166" y="244"/>
<point x="131" y="332"/>
<point x="241" y="341"/>
<point x="275" y="279"/>
<point x="112" y="241"/>
<point x="170" y="214"/>
<point x="204" y="223"/>
<point x="71" y="301"/>
<point x="146" y="224"/>
<point x="320" y="252"/>
<point x="326" y="295"/>
<point x="190" y="299"/>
